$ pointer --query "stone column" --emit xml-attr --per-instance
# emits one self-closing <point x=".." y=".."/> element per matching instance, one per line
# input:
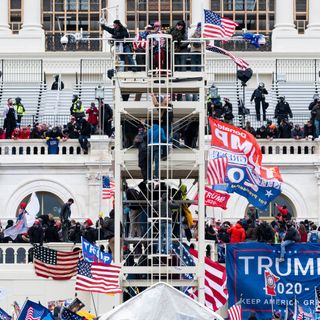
<point x="117" y="10"/>
<point x="314" y="20"/>
<point x="284" y="17"/>
<point x="32" y="17"/>
<point x="197" y="11"/>
<point x="4" y="17"/>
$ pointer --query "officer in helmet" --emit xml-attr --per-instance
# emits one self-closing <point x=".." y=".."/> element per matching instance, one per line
<point x="259" y="98"/>
<point x="282" y="110"/>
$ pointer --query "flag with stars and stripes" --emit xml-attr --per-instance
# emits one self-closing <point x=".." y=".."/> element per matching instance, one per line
<point x="185" y="257"/>
<point x="58" y="265"/>
<point x="67" y="314"/>
<point x="34" y="311"/>
<point x="215" y="278"/>
<point x="216" y="26"/>
<point x="4" y="315"/>
<point x="242" y="64"/>
<point x="108" y="186"/>
<point x="235" y="312"/>
<point x="98" y="277"/>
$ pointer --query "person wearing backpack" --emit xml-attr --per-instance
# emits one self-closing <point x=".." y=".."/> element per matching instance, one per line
<point x="313" y="235"/>
<point x="292" y="236"/>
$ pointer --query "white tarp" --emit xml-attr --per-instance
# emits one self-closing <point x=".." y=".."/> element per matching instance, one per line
<point x="161" y="302"/>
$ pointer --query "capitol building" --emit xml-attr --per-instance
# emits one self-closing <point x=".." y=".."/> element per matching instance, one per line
<point x="32" y="53"/>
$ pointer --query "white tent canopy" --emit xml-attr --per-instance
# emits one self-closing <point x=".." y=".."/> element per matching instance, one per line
<point x="161" y="302"/>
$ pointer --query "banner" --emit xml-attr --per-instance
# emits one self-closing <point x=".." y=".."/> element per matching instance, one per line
<point x="92" y="253"/>
<point x="214" y="198"/>
<point x="32" y="209"/>
<point x="298" y="275"/>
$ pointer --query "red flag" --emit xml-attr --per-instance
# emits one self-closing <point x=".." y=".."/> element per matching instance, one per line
<point x="270" y="282"/>
<point x="214" y="198"/>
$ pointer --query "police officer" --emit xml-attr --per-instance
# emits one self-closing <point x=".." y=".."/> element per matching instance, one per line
<point x="20" y="110"/>
<point x="259" y="99"/>
<point x="77" y="109"/>
<point x="282" y="110"/>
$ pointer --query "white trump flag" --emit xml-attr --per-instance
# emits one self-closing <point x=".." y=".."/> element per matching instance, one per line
<point x="32" y="209"/>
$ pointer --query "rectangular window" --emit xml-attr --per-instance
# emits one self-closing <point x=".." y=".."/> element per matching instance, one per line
<point x="59" y="5"/>
<point x="215" y="5"/>
<point x="177" y="5"/>
<point x="262" y="22"/>
<point x="301" y="5"/>
<point x="15" y="4"/>
<point x="240" y="5"/>
<point x="227" y="5"/>
<point x="262" y="5"/>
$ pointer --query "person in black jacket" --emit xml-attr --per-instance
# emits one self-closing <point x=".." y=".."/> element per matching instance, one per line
<point x="10" y="123"/>
<point x="65" y="215"/>
<point x="285" y="129"/>
<point x="75" y="233"/>
<point x="35" y="233"/>
<point x="292" y="236"/>
<point x="119" y="33"/>
<point x="85" y="132"/>
<point x="89" y="233"/>
<point x="106" y="118"/>
<point x="312" y="104"/>
<point x="51" y="233"/>
<point x="282" y="110"/>
<point x="259" y="98"/>
<point x="56" y="85"/>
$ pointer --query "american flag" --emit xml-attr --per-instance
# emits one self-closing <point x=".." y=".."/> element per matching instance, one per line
<point x="216" y="294"/>
<point x="59" y="265"/>
<point x="98" y="277"/>
<point x="108" y="186"/>
<point x="33" y="314"/>
<point x="67" y="314"/>
<point x="242" y="64"/>
<point x="234" y="312"/>
<point x="217" y="27"/>
<point x="217" y="170"/>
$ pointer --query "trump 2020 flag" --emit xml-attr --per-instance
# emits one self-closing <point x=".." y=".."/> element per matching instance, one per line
<point x="34" y="311"/>
<point x="245" y="174"/>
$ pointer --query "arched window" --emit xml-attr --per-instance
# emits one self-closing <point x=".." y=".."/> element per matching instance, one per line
<point x="49" y="203"/>
<point x="272" y="211"/>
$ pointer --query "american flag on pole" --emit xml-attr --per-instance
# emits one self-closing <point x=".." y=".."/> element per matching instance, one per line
<point x="58" y="265"/>
<point x="242" y="64"/>
<point x="108" y="187"/>
<point x="216" y="294"/>
<point x="33" y="314"/>
<point x="217" y="27"/>
<point x="234" y="312"/>
<point x="98" y="277"/>
<point x="217" y="170"/>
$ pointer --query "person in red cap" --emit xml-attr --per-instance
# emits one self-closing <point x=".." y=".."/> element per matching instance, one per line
<point x="89" y="232"/>
<point x="36" y="233"/>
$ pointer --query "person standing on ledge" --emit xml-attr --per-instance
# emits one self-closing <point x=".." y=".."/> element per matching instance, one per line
<point x="65" y="215"/>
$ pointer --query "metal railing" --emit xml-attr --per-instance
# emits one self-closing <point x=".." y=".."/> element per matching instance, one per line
<point x="95" y="70"/>
<point x="21" y="70"/>
<point x="49" y="119"/>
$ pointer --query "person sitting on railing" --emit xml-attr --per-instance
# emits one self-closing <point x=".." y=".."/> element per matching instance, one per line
<point x="272" y="131"/>
<point x="180" y="37"/>
<point x="119" y="33"/>
<point x="36" y="132"/>
<point x="297" y="132"/>
<point x="309" y="130"/>
<point x="93" y="114"/>
<point x="261" y="133"/>
<point x="285" y="128"/>
<point x="85" y="132"/>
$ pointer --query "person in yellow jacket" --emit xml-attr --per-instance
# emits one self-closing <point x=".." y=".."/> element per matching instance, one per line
<point x="77" y="108"/>
<point x="188" y="220"/>
<point x="20" y="110"/>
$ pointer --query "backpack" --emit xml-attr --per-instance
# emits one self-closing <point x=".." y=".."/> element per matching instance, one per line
<point x="313" y="237"/>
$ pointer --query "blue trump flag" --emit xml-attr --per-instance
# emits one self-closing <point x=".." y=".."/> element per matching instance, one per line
<point x="4" y="315"/>
<point x="247" y="266"/>
<point x="93" y="253"/>
<point x="34" y="311"/>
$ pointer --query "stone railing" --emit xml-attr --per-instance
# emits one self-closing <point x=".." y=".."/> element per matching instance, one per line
<point x="39" y="147"/>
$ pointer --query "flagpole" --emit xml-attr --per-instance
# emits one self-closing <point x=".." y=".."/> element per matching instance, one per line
<point x="94" y="304"/>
